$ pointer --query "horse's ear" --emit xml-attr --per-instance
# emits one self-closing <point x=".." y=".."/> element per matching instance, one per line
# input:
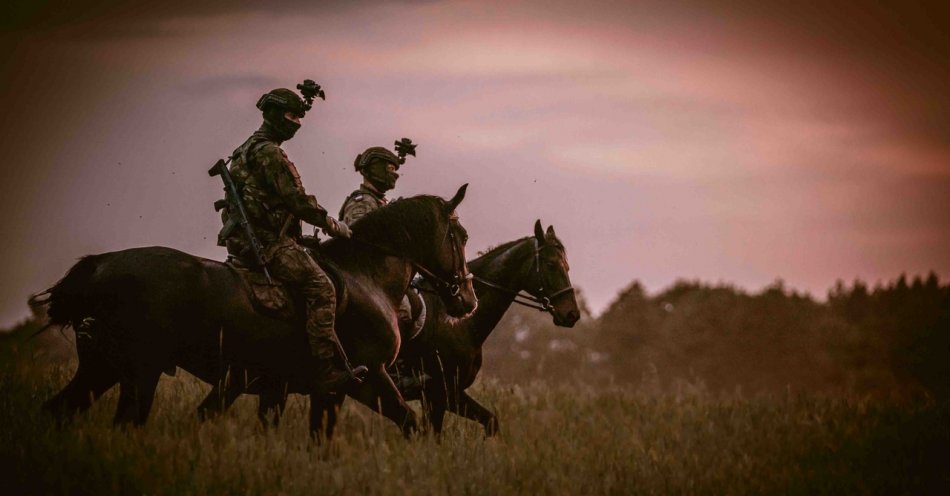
<point x="550" y="233"/>
<point x="539" y="231"/>
<point x="459" y="196"/>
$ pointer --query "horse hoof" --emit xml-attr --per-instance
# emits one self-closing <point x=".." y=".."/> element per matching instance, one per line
<point x="410" y="427"/>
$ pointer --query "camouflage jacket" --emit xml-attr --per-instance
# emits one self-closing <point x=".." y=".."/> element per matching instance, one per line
<point x="361" y="202"/>
<point x="273" y="195"/>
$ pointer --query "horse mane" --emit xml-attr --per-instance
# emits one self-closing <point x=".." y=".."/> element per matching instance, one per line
<point x="396" y="225"/>
<point x="492" y="251"/>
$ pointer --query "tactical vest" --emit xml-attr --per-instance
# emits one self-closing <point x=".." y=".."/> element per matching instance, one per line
<point x="265" y="212"/>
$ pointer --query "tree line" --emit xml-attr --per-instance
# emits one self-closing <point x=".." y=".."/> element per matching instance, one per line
<point x="889" y="339"/>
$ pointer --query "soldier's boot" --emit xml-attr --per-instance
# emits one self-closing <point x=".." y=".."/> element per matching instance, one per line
<point x="329" y="377"/>
<point x="332" y="379"/>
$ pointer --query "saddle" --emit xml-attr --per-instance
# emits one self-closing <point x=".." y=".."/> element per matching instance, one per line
<point x="275" y="298"/>
<point x="412" y="314"/>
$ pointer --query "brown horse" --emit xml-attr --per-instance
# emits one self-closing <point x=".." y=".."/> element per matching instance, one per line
<point x="139" y="312"/>
<point x="449" y="350"/>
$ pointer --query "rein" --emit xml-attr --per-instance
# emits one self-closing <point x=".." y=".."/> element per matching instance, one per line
<point x="542" y="303"/>
<point x="453" y="288"/>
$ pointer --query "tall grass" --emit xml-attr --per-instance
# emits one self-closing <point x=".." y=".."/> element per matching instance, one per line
<point x="554" y="440"/>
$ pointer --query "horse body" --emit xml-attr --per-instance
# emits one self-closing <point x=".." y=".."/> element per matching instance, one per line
<point x="143" y="311"/>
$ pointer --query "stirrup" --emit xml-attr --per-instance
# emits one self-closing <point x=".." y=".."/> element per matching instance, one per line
<point x="359" y="373"/>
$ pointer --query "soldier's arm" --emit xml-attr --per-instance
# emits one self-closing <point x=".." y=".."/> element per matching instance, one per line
<point x="281" y="176"/>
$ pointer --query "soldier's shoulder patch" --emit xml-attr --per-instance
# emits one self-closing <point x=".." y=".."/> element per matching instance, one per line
<point x="358" y="197"/>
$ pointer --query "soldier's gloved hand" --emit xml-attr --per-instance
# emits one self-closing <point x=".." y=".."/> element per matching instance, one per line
<point x="337" y="228"/>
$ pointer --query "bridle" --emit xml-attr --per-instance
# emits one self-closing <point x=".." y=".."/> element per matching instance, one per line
<point x="460" y="273"/>
<point x="542" y="302"/>
<point x="453" y="285"/>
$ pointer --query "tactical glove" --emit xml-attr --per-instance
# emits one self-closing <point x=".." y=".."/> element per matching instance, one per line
<point x="337" y="228"/>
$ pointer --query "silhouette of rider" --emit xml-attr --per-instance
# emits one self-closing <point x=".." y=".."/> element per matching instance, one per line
<point x="276" y="202"/>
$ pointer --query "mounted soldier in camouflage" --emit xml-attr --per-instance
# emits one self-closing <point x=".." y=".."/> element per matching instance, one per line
<point x="379" y="168"/>
<point x="275" y="202"/>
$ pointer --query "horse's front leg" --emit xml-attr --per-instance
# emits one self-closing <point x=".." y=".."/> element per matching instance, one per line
<point x="380" y="394"/>
<point x="434" y="404"/>
<point x="467" y="407"/>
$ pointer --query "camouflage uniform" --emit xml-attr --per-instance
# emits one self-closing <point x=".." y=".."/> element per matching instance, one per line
<point x="361" y="202"/>
<point x="373" y="165"/>
<point x="275" y="201"/>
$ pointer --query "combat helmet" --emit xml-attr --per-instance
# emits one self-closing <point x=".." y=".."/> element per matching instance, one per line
<point x="276" y="103"/>
<point x="284" y="100"/>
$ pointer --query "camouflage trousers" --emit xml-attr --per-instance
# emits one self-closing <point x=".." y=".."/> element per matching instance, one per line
<point x="290" y="263"/>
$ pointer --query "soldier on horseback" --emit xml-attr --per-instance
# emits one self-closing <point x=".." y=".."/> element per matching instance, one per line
<point x="379" y="168"/>
<point x="275" y="203"/>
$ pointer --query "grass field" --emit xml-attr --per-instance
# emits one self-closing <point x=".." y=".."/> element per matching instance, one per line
<point x="554" y="440"/>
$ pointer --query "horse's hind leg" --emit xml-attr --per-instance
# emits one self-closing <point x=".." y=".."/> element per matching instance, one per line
<point x="94" y="377"/>
<point x="218" y="400"/>
<point x="323" y="414"/>
<point x="332" y="414"/>
<point x="135" y="397"/>
<point x="272" y="401"/>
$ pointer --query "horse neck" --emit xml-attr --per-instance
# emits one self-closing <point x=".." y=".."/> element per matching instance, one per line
<point x="401" y="237"/>
<point x="388" y="271"/>
<point x="508" y="268"/>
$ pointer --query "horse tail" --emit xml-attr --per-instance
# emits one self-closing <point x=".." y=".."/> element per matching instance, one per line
<point x="66" y="301"/>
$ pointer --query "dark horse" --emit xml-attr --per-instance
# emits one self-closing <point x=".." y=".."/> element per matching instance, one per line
<point x="143" y="311"/>
<point x="449" y="350"/>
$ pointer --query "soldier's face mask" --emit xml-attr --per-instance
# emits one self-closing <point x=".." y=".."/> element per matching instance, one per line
<point x="284" y="124"/>
<point x="292" y="117"/>
<point x="383" y="175"/>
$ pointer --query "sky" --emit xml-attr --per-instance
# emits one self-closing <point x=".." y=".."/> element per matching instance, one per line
<point x="734" y="142"/>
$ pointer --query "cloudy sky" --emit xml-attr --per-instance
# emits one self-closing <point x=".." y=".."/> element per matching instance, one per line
<point x="727" y="141"/>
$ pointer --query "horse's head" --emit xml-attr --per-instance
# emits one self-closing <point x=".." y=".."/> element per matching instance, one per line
<point x="550" y="281"/>
<point x="425" y="230"/>
<point x="448" y="258"/>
